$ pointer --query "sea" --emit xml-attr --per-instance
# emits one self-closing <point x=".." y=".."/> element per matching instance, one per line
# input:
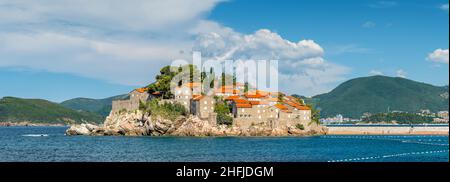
<point x="49" y="144"/>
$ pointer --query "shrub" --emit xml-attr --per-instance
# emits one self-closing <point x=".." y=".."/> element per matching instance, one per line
<point x="166" y="110"/>
<point x="300" y="126"/>
<point x="224" y="119"/>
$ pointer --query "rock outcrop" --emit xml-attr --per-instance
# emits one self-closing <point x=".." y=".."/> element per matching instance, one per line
<point x="137" y="123"/>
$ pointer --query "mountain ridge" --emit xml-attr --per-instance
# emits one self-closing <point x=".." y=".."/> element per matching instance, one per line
<point x="376" y="94"/>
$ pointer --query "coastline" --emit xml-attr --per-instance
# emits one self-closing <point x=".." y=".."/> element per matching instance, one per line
<point x="29" y="124"/>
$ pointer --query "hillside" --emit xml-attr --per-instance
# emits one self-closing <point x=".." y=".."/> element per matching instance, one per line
<point x="99" y="106"/>
<point x="42" y="111"/>
<point x="378" y="94"/>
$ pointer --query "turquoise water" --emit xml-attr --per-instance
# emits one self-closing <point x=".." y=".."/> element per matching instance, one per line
<point x="50" y="144"/>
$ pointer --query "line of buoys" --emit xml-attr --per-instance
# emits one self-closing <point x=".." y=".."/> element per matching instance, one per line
<point x="389" y="156"/>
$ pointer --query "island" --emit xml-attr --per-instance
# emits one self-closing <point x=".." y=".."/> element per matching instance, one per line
<point x="235" y="109"/>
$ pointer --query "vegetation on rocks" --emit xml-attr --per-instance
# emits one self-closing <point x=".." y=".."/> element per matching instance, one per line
<point x="223" y="110"/>
<point x="170" y="111"/>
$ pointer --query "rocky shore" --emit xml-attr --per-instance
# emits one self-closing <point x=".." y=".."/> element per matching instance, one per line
<point x="138" y="124"/>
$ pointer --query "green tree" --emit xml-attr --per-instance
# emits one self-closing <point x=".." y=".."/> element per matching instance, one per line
<point x="315" y="114"/>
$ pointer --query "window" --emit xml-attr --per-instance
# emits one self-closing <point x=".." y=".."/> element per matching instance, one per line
<point x="212" y="108"/>
<point x="242" y="110"/>
<point x="205" y="108"/>
<point x="206" y="102"/>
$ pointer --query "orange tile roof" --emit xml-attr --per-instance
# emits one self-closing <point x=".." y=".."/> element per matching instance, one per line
<point x="257" y="95"/>
<point x="296" y="105"/>
<point x="258" y="103"/>
<point x="193" y="84"/>
<point x="281" y="107"/>
<point x="197" y="97"/>
<point x="142" y="90"/>
<point x="304" y="108"/>
<point x="223" y="90"/>
<point x="232" y="97"/>
<point x="243" y="105"/>
<point x="241" y="101"/>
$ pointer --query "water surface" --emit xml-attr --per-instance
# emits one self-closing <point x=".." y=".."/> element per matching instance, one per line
<point x="50" y="144"/>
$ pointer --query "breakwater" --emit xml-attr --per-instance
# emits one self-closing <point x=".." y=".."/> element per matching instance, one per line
<point x="386" y="129"/>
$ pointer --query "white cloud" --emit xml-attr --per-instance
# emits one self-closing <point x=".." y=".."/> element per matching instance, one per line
<point x="119" y="42"/>
<point x="133" y="14"/>
<point x="127" y="43"/>
<point x="444" y="7"/>
<point x="401" y="73"/>
<point x="368" y="24"/>
<point x="302" y="67"/>
<point x="375" y="72"/>
<point x="438" y="56"/>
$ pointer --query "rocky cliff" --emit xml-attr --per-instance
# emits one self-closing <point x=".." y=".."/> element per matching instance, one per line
<point x="138" y="124"/>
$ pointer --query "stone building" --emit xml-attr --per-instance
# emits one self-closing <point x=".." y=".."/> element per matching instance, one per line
<point x="203" y="107"/>
<point x="184" y="93"/>
<point x="136" y="96"/>
<point x="261" y="110"/>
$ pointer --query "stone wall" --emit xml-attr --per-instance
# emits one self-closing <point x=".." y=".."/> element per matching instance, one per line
<point x="130" y="104"/>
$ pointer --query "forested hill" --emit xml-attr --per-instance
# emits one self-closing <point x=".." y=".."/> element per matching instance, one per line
<point x="377" y="94"/>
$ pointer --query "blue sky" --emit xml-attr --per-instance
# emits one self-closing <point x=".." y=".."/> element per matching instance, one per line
<point x="55" y="52"/>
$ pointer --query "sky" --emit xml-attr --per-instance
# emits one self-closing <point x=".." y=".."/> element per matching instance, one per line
<point x="62" y="49"/>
